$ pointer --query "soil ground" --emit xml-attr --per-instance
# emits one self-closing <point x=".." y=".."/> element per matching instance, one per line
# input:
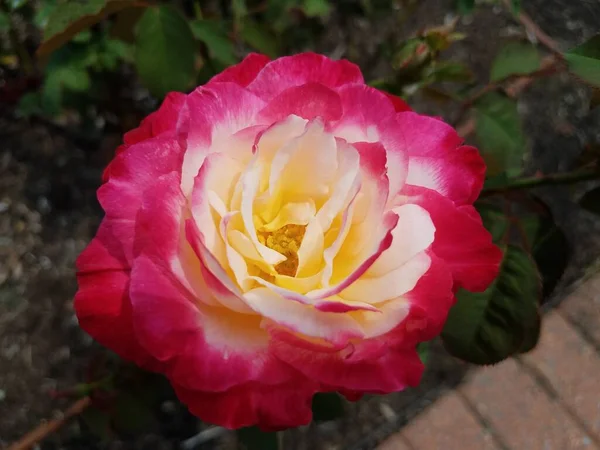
<point x="48" y="212"/>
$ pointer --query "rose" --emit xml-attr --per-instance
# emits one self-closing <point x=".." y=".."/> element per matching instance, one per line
<point x="281" y="231"/>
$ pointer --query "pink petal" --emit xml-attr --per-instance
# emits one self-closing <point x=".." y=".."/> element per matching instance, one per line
<point x="436" y="159"/>
<point x="271" y="408"/>
<point x="211" y="116"/>
<point x="357" y="367"/>
<point x="103" y="310"/>
<point x="399" y="104"/>
<point x="201" y="347"/>
<point x="309" y="101"/>
<point x="365" y="109"/>
<point x="303" y="319"/>
<point x="161" y="121"/>
<point x="243" y="73"/>
<point x="303" y="68"/>
<point x="461" y="241"/>
<point x="136" y="170"/>
<point x="430" y="301"/>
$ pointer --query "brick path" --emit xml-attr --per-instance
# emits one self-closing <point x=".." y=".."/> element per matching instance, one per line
<point x="548" y="399"/>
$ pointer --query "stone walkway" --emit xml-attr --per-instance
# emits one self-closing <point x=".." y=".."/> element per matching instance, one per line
<point x="548" y="399"/>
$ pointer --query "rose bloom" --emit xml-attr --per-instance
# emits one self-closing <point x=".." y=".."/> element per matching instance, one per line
<point x="281" y="231"/>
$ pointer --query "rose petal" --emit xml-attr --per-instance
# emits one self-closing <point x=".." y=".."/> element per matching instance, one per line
<point x="303" y="68"/>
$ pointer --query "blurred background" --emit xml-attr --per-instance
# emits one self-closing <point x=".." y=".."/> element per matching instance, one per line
<point x="76" y="75"/>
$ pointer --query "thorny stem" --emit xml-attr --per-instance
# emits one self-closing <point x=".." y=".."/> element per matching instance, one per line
<point x="51" y="426"/>
<point x="545" y="180"/>
<point x="539" y="34"/>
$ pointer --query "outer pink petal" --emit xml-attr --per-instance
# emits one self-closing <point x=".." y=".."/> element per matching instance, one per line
<point x="430" y="300"/>
<point x="368" y="365"/>
<point x="243" y="73"/>
<point x="365" y="109"/>
<point x="272" y="408"/>
<point x="399" y="104"/>
<point x="103" y="310"/>
<point x="102" y="302"/>
<point x="296" y="70"/>
<point x="310" y="100"/>
<point x="436" y="159"/>
<point x="461" y="241"/>
<point x="202" y="348"/>
<point x="136" y="170"/>
<point x="163" y="120"/>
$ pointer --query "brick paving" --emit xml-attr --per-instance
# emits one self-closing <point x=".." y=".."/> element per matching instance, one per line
<point x="548" y="399"/>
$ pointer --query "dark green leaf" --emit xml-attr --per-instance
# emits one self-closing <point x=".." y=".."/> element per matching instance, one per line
<point x="260" y="38"/>
<point x="253" y="439"/>
<point x="316" y="8"/>
<point x="591" y="201"/>
<point x="516" y="6"/>
<point x="214" y="35"/>
<point x="4" y="22"/>
<point x="327" y="406"/>
<point x="131" y="413"/>
<point x="97" y="422"/>
<point x="549" y="248"/>
<point x="16" y="4"/>
<point x="69" y="18"/>
<point x="43" y="13"/>
<point x="500" y="134"/>
<point x="515" y="58"/>
<point x="465" y="6"/>
<point x="448" y="71"/>
<point x="423" y="351"/>
<point x="29" y="104"/>
<point x="165" y="51"/>
<point x="584" y="61"/>
<point x="240" y="10"/>
<point x="488" y="327"/>
<point x="494" y="220"/>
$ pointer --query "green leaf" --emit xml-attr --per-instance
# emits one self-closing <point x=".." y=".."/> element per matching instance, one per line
<point x="239" y="9"/>
<point x="164" y="51"/>
<point x="316" y="8"/>
<point x="214" y="35"/>
<point x="327" y="406"/>
<point x="591" y="201"/>
<point x="423" y="350"/>
<point x="69" y="18"/>
<point x="131" y="414"/>
<point x="584" y="61"/>
<point x="16" y="4"/>
<point x="98" y="422"/>
<point x="549" y="247"/>
<point x="4" y="22"/>
<point x="254" y="439"/>
<point x="488" y="327"/>
<point x="494" y="220"/>
<point x="29" y="104"/>
<point x="516" y="6"/>
<point x="260" y="38"/>
<point x="515" y="58"/>
<point x="500" y="134"/>
<point x="448" y="71"/>
<point x="43" y="13"/>
<point x="465" y="6"/>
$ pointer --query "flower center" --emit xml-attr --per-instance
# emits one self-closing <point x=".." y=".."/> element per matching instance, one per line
<point x="285" y="240"/>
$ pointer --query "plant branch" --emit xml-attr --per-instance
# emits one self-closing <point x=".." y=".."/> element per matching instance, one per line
<point x="513" y="86"/>
<point x="47" y="428"/>
<point x="539" y="34"/>
<point x="545" y="180"/>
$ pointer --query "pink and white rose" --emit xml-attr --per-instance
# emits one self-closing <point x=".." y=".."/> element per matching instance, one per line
<point x="281" y="231"/>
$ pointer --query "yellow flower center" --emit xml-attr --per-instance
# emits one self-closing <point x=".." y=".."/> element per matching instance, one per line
<point x="285" y="240"/>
